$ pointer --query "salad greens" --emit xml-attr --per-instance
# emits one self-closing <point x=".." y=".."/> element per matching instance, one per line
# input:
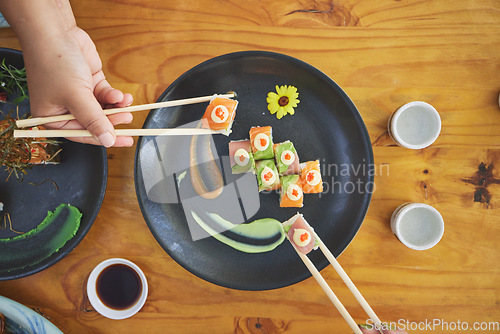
<point x="13" y="80"/>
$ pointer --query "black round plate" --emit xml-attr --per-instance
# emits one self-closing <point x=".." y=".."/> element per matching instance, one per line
<point x="326" y="126"/>
<point x="81" y="179"/>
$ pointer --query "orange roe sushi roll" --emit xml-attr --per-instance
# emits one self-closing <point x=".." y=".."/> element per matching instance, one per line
<point x="267" y="175"/>
<point x="300" y="234"/>
<point x="220" y="113"/>
<point x="311" y="177"/>
<point x="261" y="139"/>
<point x="241" y="157"/>
<point x="291" y="195"/>
<point x="40" y="152"/>
<point x="287" y="159"/>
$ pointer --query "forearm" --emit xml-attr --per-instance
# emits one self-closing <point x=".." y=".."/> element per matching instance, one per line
<point x="35" y="21"/>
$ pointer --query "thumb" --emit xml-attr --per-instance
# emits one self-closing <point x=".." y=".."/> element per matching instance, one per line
<point x="89" y="113"/>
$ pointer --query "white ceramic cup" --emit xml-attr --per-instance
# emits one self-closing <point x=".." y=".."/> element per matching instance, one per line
<point x="415" y="125"/>
<point x="418" y="226"/>
<point x="96" y="302"/>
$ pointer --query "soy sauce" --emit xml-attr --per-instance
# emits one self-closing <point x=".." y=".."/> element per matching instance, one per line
<point x="119" y="286"/>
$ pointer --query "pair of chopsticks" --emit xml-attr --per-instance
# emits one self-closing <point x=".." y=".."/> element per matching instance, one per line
<point x="31" y="122"/>
<point x="338" y="268"/>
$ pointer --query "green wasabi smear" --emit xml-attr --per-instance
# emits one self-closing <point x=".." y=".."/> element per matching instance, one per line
<point x="39" y="243"/>
<point x="74" y="215"/>
<point x="180" y="177"/>
<point x="260" y="229"/>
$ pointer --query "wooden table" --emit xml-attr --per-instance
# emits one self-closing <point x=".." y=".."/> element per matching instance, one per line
<point x="383" y="54"/>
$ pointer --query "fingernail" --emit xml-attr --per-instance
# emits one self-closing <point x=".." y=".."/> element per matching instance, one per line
<point x="106" y="139"/>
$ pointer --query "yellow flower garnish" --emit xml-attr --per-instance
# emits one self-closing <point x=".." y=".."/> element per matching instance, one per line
<point x="283" y="101"/>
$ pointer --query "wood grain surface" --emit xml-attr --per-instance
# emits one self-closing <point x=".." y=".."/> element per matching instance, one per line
<point x="383" y="54"/>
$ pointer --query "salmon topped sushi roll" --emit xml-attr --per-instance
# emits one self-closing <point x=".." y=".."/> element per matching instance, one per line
<point x="291" y="192"/>
<point x="219" y="115"/>
<point x="42" y="151"/>
<point x="300" y="234"/>
<point x="241" y="157"/>
<point x="311" y="177"/>
<point x="287" y="159"/>
<point x="261" y="139"/>
<point x="267" y="175"/>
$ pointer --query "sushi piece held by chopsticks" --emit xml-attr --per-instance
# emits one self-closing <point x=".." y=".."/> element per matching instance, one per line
<point x="119" y="132"/>
<point x="30" y="122"/>
<point x="219" y="115"/>
<point x="300" y="234"/>
<point x="303" y="239"/>
<point x="125" y="132"/>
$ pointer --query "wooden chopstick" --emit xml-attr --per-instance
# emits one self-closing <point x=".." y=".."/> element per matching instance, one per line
<point x="119" y="132"/>
<point x="321" y="281"/>
<point x="25" y="123"/>
<point x="347" y="280"/>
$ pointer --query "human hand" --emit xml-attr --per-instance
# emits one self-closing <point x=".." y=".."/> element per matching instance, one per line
<point x="65" y="75"/>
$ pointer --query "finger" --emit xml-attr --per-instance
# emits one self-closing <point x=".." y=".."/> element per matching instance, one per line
<point x="84" y="106"/>
<point x="103" y="91"/>
<point x="106" y="94"/>
<point x="121" y="141"/>
<point x="116" y="119"/>
<point x="127" y="101"/>
<point x="121" y="118"/>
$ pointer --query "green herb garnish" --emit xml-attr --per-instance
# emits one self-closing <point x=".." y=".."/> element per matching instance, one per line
<point x="13" y="80"/>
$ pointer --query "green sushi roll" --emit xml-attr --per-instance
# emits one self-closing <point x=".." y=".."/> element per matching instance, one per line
<point x="241" y="157"/>
<point x="287" y="159"/>
<point x="267" y="175"/>
<point x="261" y="139"/>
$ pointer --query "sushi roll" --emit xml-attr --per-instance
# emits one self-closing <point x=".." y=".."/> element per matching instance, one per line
<point x="300" y="234"/>
<point x="287" y="159"/>
<point x="219" y="115"/>
<point x="311" y="177"/>
<point x="267" y="175"/>
<point x="261" y="139"/>
<point x="291" y="192"/>
<point x="241" y="157"/>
